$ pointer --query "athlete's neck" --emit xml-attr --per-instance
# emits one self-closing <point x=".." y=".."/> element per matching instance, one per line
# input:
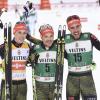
<point x="16" y="44"/>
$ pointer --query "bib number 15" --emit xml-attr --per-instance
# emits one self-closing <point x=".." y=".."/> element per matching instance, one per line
<point x="78" y="57"/>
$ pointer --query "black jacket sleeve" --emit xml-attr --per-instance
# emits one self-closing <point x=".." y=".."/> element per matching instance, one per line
<point x="33" y="39"/>
<point x="95" y="42"/>
<point x="33" y="57"/>
<point x="65" y="55"/>
<point x="2" y="51"/>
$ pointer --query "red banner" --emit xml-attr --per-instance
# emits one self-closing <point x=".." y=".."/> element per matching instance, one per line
<point x="45" y="4"/>
<point x="3" y="4"/>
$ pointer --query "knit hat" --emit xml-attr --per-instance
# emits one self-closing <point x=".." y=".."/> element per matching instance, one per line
<point x="20" y="26"/>
<point x="45" y="29"/>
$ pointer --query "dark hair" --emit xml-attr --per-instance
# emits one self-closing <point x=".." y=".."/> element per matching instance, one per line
<point x="30" y="6"/>
<point x="45" y="26"/>
<point x="72" y="17"/>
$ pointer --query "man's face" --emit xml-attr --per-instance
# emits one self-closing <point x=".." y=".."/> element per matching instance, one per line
<point x="75" y="30"/>
<point x="47" y="39"/>
<point x="20" y="36"/>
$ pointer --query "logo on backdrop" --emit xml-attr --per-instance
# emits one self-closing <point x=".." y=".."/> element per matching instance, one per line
<point x="84" y="19"/>
<point x="98" y="26"/>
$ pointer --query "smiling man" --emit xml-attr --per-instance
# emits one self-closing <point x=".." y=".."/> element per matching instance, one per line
<point x="45" y="63"/>
<point x="20" y="53"/>
<point x="79" y="50"/>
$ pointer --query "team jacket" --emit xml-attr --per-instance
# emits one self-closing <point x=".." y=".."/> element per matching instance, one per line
<point x="79" y="52"/>
<point x="20" y="55"/>
<point x="45" y="62"/>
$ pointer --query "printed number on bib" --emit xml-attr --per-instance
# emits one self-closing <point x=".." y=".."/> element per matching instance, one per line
<point x="47" y="68"/>
<point x="78" y="57"/>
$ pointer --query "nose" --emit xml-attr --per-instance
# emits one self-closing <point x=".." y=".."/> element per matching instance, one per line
<point x="75" y="30"/>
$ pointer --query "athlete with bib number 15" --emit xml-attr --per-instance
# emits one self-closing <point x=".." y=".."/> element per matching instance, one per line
<point x="79" y="50"/>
